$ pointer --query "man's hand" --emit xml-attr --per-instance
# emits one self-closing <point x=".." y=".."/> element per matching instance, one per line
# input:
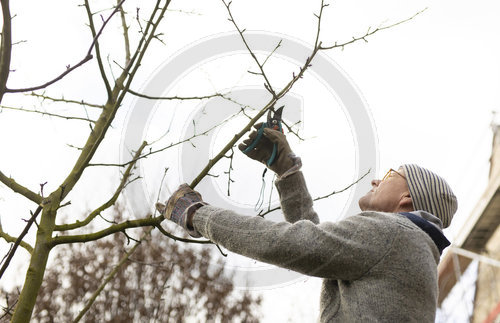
<point x="181" y="206"/>
<point x="285" y="159"/>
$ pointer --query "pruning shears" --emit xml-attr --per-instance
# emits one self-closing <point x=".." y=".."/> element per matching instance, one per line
<point x="273" y="122"/>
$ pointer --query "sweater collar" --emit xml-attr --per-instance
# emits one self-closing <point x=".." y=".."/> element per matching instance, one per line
<point x="432" y="229"/>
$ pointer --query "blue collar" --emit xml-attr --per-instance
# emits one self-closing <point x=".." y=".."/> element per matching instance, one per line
<point x="434" y="233"/>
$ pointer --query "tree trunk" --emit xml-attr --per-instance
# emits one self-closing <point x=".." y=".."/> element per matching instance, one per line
<point x="38" y="263"/>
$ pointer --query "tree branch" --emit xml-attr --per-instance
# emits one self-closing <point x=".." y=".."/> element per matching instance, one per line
<point x="87" y="58"/>
<point x="268" y="106"/>
<point x="110" y="202"/>
<point x="135" y="62"/>
<point x="267" y="85"/>
<point x="18" y="188"/>
<point x="109" y="277"/>
<point x="125" y="32"/>
<point x="150" y="221"/>
<point x="6" y="47"/>
<point x="10" y="238"/>
<point x="97" y="50"/>
<point x="344" y="189"/>
<point x="176" y="238"/>
<point x="18" y="241"/>
<point x="113" y="103"/>
<point x="151" y="152"/>
<point x="62" y="99"/>
<point x="47" y="114"/>
<point x="262" y="214"/>
<point x="150" y="97"/>
<point x="370" y="32"/>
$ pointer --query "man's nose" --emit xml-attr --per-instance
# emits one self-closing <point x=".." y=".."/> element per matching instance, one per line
<point x="375" y="182"/>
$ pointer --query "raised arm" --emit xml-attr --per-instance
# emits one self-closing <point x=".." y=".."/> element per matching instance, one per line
<point x="296" y="202"/>
<point x="271" y="148"/>
<point x="344" y="250"/>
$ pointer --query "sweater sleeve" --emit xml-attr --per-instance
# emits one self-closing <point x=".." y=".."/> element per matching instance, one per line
<point x="344" y="250"/>
<point x="296" y="202"/>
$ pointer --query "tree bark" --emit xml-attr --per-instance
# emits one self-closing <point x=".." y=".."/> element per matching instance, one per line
<point x="6" y="47"/>
<point x="38" y="262"/>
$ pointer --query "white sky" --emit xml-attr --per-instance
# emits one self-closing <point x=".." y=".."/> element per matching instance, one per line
<point x="431" y="85"/>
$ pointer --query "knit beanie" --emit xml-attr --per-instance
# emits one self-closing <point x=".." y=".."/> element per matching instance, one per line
<point x="430" y="192"/>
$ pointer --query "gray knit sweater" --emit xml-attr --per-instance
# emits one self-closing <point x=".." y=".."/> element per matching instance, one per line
<point x="377" y="267"/>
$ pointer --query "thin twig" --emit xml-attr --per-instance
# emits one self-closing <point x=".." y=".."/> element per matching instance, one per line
<point x="152" y="152"/>
<point x="171" y="236"/>
<point x="125" y="32"/>
<point x="272" y="52"/>
<point x="262" y="214"/>
<point x="267" y="85"/>
<point x="48" y="114"/>
<point x="369" y="32"/>
<point x="229" y="179"/>
<point x="69" y="68"/>
<point x="109" y="277"/>
<point x="62" y="99"/>
<point x="8" y="309"/>
<point x="19" y="239"/>
<point x="201" y="97"/>
<point x="290" y="129"/>
<point x="111" y="201"/>
<point x="344" y="189"/>
<point x="269" y="105"/>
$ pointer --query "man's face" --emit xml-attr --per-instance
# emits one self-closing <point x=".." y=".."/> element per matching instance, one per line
<point x="388" y="195"/>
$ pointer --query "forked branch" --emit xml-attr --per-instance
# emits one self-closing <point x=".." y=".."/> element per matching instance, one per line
<point x="69" y="68"/>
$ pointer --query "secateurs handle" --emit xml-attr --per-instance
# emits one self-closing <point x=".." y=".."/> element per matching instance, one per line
<point x="260" y="132"/>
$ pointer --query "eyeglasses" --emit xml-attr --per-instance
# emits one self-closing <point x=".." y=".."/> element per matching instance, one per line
<point x="390" y="174"/>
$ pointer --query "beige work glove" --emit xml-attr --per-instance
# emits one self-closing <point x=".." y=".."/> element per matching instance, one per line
<point x="285" y="162"/>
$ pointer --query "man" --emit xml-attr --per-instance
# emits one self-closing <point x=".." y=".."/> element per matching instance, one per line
<point x="378" y="266"/>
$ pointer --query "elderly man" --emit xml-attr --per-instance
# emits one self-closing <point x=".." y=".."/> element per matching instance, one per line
<point x="378" y="265"/>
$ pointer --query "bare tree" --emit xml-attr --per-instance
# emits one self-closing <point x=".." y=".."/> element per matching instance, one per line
<point x="47" y="207"/>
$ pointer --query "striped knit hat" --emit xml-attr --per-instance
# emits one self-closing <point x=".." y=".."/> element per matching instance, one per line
<point x="430" y="192"/>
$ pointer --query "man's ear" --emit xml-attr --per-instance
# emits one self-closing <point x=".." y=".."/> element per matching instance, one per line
<point x="406" y="203"/>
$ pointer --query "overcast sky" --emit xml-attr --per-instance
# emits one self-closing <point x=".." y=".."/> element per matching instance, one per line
<point x="430" y="86"/>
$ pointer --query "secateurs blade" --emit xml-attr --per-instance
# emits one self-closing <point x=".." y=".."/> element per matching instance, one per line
<point x="273" y="122"/>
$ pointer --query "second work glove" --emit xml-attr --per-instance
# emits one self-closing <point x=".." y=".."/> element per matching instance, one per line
<point x="285" y="161"/>
<point x="181" y="206"/>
